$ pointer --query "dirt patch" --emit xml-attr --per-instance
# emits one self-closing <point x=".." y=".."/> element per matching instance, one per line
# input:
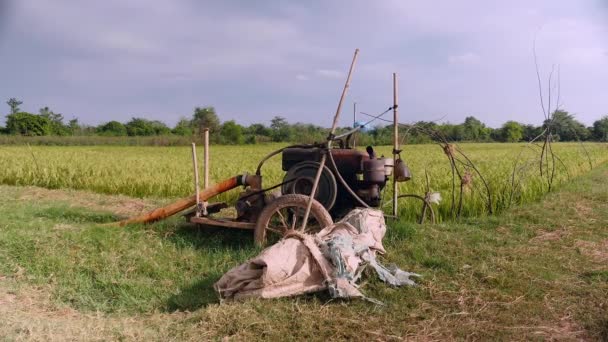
<point x="545" y="236"/>
<point x="583" y="209"/>
<point x="565" y="330"/>
<point x="597" y="251"/>
<point x="63" y="226"/>
<point x="28" y="314"/>
<point x="120" y="205"/>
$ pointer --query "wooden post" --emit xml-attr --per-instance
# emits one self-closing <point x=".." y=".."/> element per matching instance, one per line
<point x="196" y="184"/>
<point x="206" y="159"/>
<point x="395" y="143"/>
<point x="205" y="166"/>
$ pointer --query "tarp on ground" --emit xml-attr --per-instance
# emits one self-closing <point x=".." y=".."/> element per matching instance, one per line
<point x="331" y="260"/>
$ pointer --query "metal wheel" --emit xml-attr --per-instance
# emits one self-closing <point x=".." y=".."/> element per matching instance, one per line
<point x="303" y="175"/>
<point x="285" y="214"/>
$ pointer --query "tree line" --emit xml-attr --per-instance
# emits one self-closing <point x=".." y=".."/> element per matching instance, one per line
<point x="48" y="123"/>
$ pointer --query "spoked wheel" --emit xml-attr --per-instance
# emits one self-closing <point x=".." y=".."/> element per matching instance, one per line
<point x="285" y="214"/>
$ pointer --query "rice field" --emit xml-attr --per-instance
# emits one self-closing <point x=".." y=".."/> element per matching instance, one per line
<point x="166" y="172"/>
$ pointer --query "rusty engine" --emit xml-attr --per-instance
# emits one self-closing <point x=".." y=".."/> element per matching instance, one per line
<point x="352" y="178"/>
<point x="364" y="173"/>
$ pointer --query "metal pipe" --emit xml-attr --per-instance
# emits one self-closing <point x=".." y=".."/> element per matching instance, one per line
<point x="343" y="182"/>
<point x="354" y="122"/>
<point x="258" y="171"/>
<point x="185" y="203"/>
<point x="315" y="185"/>
<point x="360" y="127"/>
<point x="340" y="136"/>
<point x="196" y="185"/>
<point x="395" y="143"/>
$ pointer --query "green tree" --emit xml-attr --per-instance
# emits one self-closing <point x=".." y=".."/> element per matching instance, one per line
<point x="56" y="121"/>
<point x="280" y="129"/>
<point x="258" y="129"/>
<point x="600" y="129"/>
<point x="231" y="133"/>
<point x="205" y="118"/>
<point x="144" y="127"/>
<point x="28" y="124"/>
<point x="452" y="132"/>
<point x="566" y="127"/>
<point x="531" y="132"/>
<point x="183" y="127"/>
<point x="512" y="131"/>
<point x="112" y="128"/>
<point x="139" y="127"/>
<point x="473" y="129"/>
<point x="278" y="122"/>
<point x="14" y="104"/>
<point x="74" y="126"/>
<point x="159" y="127"/>
<point x="256" y="133"/>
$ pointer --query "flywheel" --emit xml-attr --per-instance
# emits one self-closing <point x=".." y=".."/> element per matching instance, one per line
<point x="302" y="176"/>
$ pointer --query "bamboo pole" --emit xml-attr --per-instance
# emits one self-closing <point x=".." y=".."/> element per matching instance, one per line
<point x="205" y="165"/>
<point x="196" y="185"/>
<point x="315" y="185"/>
<point x="395" y="143"/>
<point x="206" y="159"/>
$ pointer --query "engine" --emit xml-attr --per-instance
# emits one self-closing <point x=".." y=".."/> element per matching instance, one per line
<point x="362" y="171"/>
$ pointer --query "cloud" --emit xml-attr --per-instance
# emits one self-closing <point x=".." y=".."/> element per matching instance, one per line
<point x="329" y="73"/>
<point x="301" y="77"/>
<point x="104" y="60"/>
<point x="466" y="58"/>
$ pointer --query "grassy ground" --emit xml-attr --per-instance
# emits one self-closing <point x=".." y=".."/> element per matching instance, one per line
<point x="535" y="272"/>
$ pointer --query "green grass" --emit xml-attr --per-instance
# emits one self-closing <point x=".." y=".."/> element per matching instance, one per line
<point x="166" y="172"/>
<point x="536" y="272"/>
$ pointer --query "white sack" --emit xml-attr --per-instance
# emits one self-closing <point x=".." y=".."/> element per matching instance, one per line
<point x="333" y="260"/>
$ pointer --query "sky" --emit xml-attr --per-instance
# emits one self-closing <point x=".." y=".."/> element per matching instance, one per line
<point x="253" y="60"/>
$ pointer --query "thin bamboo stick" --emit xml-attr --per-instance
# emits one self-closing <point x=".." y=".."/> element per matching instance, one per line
<point x="196" y="185"/>
<point x="329" y="141"/>
<point x="206" y="165"/>
<point x="206" y="159"/>
<point x="395" y="143"/>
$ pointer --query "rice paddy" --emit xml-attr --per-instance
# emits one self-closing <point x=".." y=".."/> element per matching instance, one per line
<point x="166" y="172"/>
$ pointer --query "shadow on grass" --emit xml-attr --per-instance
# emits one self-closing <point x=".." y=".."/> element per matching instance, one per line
<point x="212" y="238"/>
<point x="237" y="243"/>
<point x="198" y="294"/>
<point x="75" y="215"/>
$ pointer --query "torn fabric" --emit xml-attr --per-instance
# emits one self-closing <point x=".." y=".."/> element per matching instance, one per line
<point x="331" y="260"/>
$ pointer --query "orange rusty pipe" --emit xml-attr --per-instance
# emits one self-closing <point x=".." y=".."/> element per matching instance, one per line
<point x="185" y="203"/>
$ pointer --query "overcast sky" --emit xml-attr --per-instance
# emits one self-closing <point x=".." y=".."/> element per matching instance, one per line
<point x="252" y="60"/>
